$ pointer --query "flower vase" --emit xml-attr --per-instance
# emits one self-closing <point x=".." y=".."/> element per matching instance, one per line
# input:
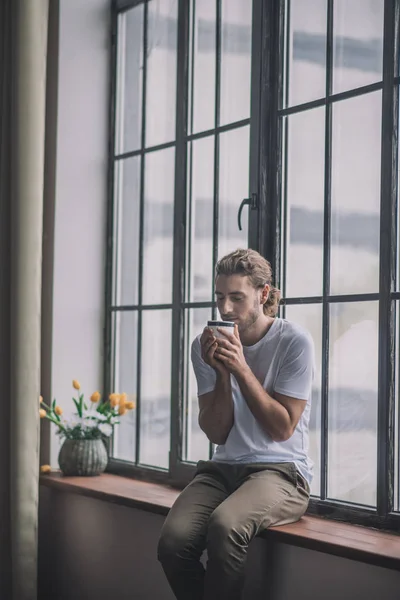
<point x="83" y="457"/>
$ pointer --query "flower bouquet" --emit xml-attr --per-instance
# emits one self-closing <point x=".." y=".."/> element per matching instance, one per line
<point x="83" y="451"/>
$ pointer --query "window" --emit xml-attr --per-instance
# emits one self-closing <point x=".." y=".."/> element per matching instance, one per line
<point x="289" y="110"/>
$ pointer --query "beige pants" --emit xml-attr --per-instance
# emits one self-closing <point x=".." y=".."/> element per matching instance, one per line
<point x="221" y="510"/>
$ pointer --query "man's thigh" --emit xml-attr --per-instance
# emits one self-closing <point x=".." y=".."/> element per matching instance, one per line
<point x="266" y="498"/>
<point x="187" y="521"/>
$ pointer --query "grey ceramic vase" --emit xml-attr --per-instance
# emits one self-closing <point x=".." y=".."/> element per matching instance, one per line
<point x="83" y="457"/>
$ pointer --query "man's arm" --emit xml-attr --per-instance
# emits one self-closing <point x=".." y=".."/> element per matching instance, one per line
<point x="278" y="415"/>
<point x="216" y="411"/>
<point x="215" y="402"/>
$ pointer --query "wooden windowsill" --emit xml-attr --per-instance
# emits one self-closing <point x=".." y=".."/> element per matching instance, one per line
<point x="151" y="497"/>
<point x="314" y="533"/>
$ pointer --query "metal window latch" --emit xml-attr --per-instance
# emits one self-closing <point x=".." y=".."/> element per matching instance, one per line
<point x="253" y="204"/>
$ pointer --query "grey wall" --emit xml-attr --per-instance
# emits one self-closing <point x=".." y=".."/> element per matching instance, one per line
<point x="91" y="549"/>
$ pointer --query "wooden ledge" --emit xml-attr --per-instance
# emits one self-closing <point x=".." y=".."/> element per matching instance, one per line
<point x="314" y="533"/>
<point x="363" y="544"/>
<point x="151" y="497"/>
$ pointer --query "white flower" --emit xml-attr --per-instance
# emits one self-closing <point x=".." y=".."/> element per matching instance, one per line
<point x="100" y="418"/>
<point x="89" y="423"/>
<point x="73" y="422"/>
<point x="105" y="429"/>
<point x="114" y="420"/>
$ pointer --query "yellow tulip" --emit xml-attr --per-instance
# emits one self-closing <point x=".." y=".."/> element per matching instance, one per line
<point x="114" y="399"/>
<point x="130" y="405"/>
<point x="45" y="469"/>
<point x="122" y="399"/>
<point x="58" y="410"/>
<point x="40" y="399"/>
<point x="42" y="413"/>
<point x="122" y="410"/>
<point x="95" y="397"/>
<point x="76" y="384"/>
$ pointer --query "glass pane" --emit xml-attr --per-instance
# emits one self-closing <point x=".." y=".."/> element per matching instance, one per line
<point x="155" y="403"/>
<point x="196" y="445"/>
<point x="357" y="43"/>
<point x="397" y="415"/>
<point x="305" y="203"/>
<point x="356" y="166"/>
<point x="309" y="316"/>
<point x="200" y="220"/>
<point x="236" y="19"/>
<point x="125" y="380"/>
<point x="202" y="42"/>
<point x="158" y="227"/>
<point x="129" y="80"/>
<point x="233" y="187"/>
<point x="126" y="230"/>
<point x="306" y="58"/>
<point x="353" y="402"/>
<point x="161" y="71"/>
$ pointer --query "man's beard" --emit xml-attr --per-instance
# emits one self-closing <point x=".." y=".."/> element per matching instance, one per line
<point x="251" y="318"/>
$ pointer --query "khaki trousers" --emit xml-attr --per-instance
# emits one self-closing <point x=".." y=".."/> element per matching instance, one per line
<point x="221" y="510"/>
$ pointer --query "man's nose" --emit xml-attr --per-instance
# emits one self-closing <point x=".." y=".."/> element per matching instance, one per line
<point x="226" y="307"/>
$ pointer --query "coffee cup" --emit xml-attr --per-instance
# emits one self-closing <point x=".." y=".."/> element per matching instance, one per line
<point x="228" y="326"/>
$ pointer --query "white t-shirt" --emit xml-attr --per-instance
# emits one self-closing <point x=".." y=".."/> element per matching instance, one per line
<point x="283" y="362"/>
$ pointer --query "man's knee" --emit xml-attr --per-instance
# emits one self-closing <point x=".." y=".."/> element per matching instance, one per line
<point x="227" y="530"/>
<point x="223" y="532"/>
<point x="169" y="545"/>
<point x="174" y="545"/>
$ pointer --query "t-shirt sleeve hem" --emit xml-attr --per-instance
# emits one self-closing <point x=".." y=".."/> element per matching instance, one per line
<point x="292" y="394"/>
<point x="206" y="390"/>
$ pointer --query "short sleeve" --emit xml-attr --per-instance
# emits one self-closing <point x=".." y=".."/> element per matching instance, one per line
<point x="205" y="375"/>
<point x="296" y="373"/>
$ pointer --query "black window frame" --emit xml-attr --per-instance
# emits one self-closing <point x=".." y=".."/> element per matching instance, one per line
<point x="266" y="231"/>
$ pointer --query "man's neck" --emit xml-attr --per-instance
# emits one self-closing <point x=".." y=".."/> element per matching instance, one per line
<point x="257" y="331"/>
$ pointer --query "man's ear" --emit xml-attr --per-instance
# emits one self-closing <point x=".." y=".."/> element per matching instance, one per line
<point x="265" y="294"/>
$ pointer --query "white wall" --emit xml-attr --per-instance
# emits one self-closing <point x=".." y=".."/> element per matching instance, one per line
<point x="80" y="199"/>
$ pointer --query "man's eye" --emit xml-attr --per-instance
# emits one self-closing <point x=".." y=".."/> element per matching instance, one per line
<point x="236" y="299"/>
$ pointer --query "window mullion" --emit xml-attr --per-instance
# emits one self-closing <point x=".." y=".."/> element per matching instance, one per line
<point x="109" y="274"/>
<point x="270" y="143"/>
<point x="327" y="256"/>
<point x="141" y="235"/>
<point x="386" y="399"/>
<point x="179" y="251"/>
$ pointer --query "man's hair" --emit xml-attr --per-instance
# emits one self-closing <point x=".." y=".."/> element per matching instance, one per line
<point x="247" y="262"/>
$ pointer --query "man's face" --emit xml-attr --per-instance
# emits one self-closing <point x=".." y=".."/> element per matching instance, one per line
<point x="238" y="301"/>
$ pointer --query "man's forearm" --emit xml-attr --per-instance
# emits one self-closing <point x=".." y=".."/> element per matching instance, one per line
<point x="216" y="416"/>
<point x="271" y="415"/>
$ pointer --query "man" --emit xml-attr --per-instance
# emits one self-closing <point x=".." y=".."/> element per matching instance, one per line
<point x="254" y="392"/>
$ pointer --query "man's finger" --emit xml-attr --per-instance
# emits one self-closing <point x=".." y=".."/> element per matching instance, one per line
<point x="224" y="352"/>
<point x="205" y="339"/>
<point x="208" y="353"/>
<point x="220" y="356"/>
<point x="227" y="342"/>
<point x="207" y="333"/>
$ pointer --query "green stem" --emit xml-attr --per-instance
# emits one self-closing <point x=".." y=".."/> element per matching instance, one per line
<point x="50" y="418"/>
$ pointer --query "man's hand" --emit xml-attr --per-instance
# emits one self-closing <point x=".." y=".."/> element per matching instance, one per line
<point x="230" y="352"/>
<point x="208" y="343"/>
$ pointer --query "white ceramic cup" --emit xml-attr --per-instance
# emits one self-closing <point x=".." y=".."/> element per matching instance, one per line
<point x="228" y="326"/>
